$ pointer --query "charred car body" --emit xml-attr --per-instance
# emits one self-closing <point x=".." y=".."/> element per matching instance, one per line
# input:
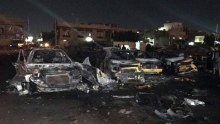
<point x="179" y="65"/>
<point x="51" y="70"/>
<point x="122" y="65"/>
<point x="151" y="65"/>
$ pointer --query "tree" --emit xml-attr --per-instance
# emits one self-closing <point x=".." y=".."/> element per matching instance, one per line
<point x="48" y="36"/>
<point x="209" y="40"/>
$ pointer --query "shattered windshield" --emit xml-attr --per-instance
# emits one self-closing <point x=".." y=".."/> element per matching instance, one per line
<point x="151" y="65"/>
<point x="122" y="55"/>
<point x="49" y="56"/>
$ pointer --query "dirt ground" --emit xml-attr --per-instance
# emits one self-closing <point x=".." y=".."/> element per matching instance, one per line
<point x="137" y="106"/>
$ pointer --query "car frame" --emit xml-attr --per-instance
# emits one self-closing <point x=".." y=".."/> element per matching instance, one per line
<point x="123" y="69"/>
<point x="35" y="73"/>
<point x="151" y="65"/>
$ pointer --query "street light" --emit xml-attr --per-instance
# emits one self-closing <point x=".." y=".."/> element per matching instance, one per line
<point x="89" y="38"/>
<point x="191" y="43"/>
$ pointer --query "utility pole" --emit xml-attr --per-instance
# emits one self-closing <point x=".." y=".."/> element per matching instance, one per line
<point x="216" y="31"/>
<point x="28" y="25"/>
<point x="55" y="31"/>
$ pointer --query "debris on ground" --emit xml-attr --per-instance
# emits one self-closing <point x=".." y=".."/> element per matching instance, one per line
<point x="193" y="102"/>
<point x="147" y="98"/>
<point x="39" y="97"/>
<point x="198" y="92"/>
<point x="184" y="79"/>
<point x="143" y="86"/>
<point x="124" y="111"/>
<point x="172" y="115"/>
<point x="123" y="97"/>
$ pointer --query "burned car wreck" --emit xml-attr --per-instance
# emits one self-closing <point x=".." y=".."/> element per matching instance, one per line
<point x="151" y="65"/>
<point x="51" y="70"/>
<point x="122" y="66"/>
<point x="179" y="65"/>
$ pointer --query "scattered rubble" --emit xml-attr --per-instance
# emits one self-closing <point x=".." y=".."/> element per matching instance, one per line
<point x="124" y="111"/>
<point x="143" y="86"/>
<point x="184" y="79"/>
<point x="170" y="115"/>
<point x="193" y="102"/>
<point x="123" y="97"/>
<point x="198" y="92"/>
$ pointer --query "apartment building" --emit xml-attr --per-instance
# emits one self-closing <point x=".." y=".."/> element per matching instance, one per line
<point x="11" y="30"/>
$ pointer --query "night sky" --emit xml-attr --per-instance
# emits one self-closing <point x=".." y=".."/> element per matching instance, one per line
<point x="139" y="14"/>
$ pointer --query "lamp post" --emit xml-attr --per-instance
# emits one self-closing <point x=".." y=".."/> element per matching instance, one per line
<point x="89" y="38"/>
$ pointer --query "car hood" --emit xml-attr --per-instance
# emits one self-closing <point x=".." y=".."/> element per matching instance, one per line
<point x="174" y="59"/>
<point x="124" y="62"/>
<point x="48" y="68"/>
<point x="148" y="60"/>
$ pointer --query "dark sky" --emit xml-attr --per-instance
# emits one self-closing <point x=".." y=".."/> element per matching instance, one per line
<point x="140" y="14"/>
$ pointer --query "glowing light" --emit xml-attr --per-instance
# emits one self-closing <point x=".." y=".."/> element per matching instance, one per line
<point x="138" y="45"/>
<point x="199" y="39"/>
<point x="126" y="46"/>
<point x="64" y="40"/>
<point x="151" y="41"/>
<point x="29" y="39"/>
<point x="40" y="39"/>
<point x="163" y="29"/>
<point x="46" y="44"/>
<point x="180" y="38"/>
<point x="216" y="42"/>
<point x="20" y="44"/>
<point x="89" y="39"/>
<point x="191" y="43"/>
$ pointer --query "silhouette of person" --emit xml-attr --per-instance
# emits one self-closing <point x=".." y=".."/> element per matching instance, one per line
<point x="123" y="47"/>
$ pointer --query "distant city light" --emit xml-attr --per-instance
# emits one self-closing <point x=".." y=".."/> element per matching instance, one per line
<point x="216" y="42"/>
<point x="41" y="45"/>
<point x="138" y="45"/>
<point x="199" y="39"/>
<point x="88" y="39"/>
<point x="39" y="39"/>
<point x="126" y="46"/>
<point x="29" y="39"/>
<point x="20" y="44"/>
<point x="46" y="44"/>
<point x="191" y="43"/>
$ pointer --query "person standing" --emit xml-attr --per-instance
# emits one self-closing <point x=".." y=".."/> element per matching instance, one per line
<point x="123" y="47"/>
<point x="216" y="61"/>
<point x="209" y="61"/>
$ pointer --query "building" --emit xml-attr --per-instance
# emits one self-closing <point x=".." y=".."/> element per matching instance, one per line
<point x="70" y="33"/>
<point x="11" y="30"/>
<point x="176" y="30"/>
<point x="161" y="39"/>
